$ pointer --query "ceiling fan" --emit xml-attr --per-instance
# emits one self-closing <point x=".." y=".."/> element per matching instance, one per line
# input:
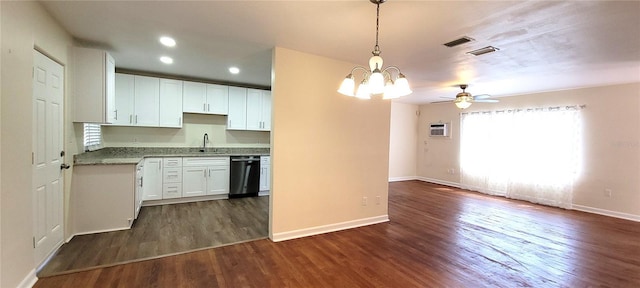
<point x="464" y="99"/>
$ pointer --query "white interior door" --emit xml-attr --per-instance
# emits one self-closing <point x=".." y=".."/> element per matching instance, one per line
<point x="47" y="136"/>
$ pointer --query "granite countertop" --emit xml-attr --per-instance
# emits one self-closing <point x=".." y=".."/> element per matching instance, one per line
<point x="133" y="155"/>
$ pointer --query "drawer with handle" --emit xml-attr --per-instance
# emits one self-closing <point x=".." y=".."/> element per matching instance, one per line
<point x="172" y="175"/>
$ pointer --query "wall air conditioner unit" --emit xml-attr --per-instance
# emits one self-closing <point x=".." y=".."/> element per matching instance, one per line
<point x="439" y="130"/>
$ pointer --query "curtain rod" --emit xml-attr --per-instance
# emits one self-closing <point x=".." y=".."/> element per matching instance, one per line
<point x="551" y="108"/>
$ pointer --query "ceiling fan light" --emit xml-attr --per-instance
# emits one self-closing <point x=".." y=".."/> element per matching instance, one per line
<point x="348" y="86"/>
<point x="463" y="102"/>
<point x="376" y="82"/>
<point x="363" y="90"/>
<point x="402" y="86"/>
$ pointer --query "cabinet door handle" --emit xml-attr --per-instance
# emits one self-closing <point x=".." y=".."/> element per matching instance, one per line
<point x="130" y="119"/>
<point x="116" y="117"/>
<point x="136" y="119"/>
<point x="209" y="172"/>
<point x="204" y="106"/>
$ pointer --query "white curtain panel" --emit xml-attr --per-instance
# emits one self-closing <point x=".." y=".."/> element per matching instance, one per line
<point x="528" y="154"/>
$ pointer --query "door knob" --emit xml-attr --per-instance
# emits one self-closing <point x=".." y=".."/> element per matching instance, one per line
<point x="64" y="166"/>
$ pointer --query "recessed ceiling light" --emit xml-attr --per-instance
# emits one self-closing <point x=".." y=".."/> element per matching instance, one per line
<point x="166" y="60"/>
<point x="167" y="41"/>
<point x="234" y="70"/>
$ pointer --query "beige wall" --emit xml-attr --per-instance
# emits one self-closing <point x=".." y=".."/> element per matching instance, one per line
<point x="611" y="125"/>
<point x="190" y="135"/>
<point x="329" y="151"/>
<point x="24" y="25"/>
<point x="403" y="141"/>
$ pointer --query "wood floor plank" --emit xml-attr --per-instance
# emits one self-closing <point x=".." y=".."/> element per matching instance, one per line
<point x="437" y="237"/>
<point x="166" y="229"/>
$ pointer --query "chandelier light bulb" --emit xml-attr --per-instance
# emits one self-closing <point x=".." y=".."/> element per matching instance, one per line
<point x="376" y="82"/>
<point x="363" y="90"/>
<point x="402" y="86"/>
<point x="390" y="90"/>
<point x="348" y="86"/>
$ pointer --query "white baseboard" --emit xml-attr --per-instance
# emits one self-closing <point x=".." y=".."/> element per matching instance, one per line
<point x="184" y="200"/>
<point x="441" y="182"/>
<point x="604" y="212"/>
<point x="283" y="236"/>
<point x="98" y="231"/>
<point x="29" y="280"/>
<point x="402" y="178"/>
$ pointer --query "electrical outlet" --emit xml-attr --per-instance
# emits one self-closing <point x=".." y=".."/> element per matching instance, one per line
<point x="607" y="192"/>
<point x="364" y="201"/>
<point x="377" y="200"/>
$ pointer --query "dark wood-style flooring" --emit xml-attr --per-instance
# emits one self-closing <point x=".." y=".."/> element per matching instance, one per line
<point x="437" y="237"/>
<point x="165" y="230"/>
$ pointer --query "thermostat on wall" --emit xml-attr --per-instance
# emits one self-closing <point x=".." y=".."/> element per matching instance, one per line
<point x="439" y="130"/>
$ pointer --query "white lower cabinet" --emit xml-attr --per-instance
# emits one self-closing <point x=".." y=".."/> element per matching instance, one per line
<point x="177" y="177"/>
<point x="172" y="178"/>
<point x="195" y="181"/>
<point x="265" y="173"/>
<point x="152" y="179"/>
<point x="205" y="176"/>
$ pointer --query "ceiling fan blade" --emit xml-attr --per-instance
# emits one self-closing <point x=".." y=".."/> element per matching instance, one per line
<point x="481" y="97"/>
<point x="487" y="101"/>
<point x="450" y="101"/>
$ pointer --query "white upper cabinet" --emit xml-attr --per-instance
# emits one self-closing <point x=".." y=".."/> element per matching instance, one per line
<point x="194" y="97"/>
<point x="146" y="101"/>
<point x="217" y="99"/>
<point x="170" y="103"/>
<point x="205" y="98"/>
<point x="124" y="100"/>
<point x="137" y="101"/>
<point x="237" y="118"/>
<point x="94" y="88"/>
<point x="258" y="110"/>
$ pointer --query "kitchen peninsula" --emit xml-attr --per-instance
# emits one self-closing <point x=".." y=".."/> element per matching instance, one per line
<point x="111" y="184"/>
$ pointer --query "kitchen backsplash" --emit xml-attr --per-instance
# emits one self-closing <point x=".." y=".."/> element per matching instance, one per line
<point x="190" y="135"/>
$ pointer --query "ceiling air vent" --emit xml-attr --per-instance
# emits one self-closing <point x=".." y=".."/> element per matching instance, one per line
<point x="484" y="50"/>
<point x="458" y="41"/>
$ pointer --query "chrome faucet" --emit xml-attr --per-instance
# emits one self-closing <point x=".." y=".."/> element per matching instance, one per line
<point x="205" y="139"/>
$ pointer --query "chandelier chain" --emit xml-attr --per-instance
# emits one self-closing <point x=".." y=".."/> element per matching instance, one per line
<point x="376" y="50"/>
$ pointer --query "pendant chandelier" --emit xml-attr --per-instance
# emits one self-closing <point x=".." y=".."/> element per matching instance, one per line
<point x="376" y="79"/>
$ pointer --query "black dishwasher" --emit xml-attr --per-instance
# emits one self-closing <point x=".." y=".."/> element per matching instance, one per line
<point x="244" y="176"/>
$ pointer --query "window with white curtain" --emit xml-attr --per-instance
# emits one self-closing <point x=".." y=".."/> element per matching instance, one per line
<point x="92" y="136"/>
<point x="527" y="154"/>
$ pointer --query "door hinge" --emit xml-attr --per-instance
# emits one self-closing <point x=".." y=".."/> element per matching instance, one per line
<point x="34" y="242"/>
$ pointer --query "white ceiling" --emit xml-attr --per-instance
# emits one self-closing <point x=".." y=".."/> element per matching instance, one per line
<point x="544" y="45"/>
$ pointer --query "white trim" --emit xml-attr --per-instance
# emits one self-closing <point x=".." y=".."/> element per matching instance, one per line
<point x="29" y="280"/>
<point x="441" y="182"/>
<point x="99" y="231"/>
<point x="146" y="203"/>
<point x="605" y="212"/>
<point x="402" y="178"/>
<point x="282" y="236"/>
